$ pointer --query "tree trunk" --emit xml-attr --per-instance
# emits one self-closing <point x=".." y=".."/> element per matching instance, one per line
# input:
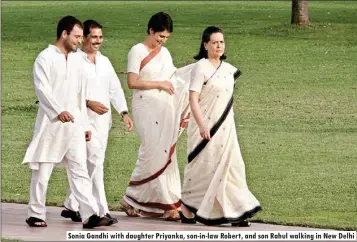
<point x="299" y="12"/>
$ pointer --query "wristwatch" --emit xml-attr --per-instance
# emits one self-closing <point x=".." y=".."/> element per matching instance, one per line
<point x="123" y="113"/>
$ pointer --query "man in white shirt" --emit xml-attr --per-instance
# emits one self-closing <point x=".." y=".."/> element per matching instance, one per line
<point x="103" y="89"/>
<point x="61" y="126"/>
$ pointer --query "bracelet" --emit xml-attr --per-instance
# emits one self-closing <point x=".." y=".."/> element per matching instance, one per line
<point x="123" y="113"/>
<point x="87" y="102"/>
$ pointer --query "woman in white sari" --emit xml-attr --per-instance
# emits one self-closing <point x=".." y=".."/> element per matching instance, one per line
<point x="158" y="103"/>
<point x="219" y="194"/>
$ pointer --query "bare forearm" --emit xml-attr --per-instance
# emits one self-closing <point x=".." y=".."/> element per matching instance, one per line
<point x="144" y="85"/>
<point x="197" y="113"/>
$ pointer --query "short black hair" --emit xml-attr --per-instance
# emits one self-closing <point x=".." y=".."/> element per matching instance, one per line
<point x="160" y="22"/>
<point x="206" y="37"/>
<point x="89" y="24"/>
<point x="67" y="23"/>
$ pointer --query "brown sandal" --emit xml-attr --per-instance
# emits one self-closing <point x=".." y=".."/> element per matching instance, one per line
<point x="129" y="210"/>
<point x="150" y="214"/>
<point x="172" y="215"/>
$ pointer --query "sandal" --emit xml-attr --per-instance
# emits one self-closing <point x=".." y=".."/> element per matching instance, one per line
<point x="74" y="216"/>
<point x="31" y="221"/>
<point x="243" y="223"/>
<point x="96" y="221"/>
<point x="129" y="210"/>
<point x="172" y="215"/>
<point x="150" y="214"/>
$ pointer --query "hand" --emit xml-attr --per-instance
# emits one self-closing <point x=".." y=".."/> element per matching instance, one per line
<point x="167" y="87"/>
<point x="88" y="135"/>
<point x="65" y="117"/>
<point x="97" y="107"/>
<point x="204" y="132"/>
<point x="127" y="120"/>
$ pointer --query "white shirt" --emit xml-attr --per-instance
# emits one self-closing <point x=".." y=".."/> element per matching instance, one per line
<point x="103" y="85"/>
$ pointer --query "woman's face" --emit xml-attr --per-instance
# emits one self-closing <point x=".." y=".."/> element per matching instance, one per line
<point x="216" y="46"/>
<point x="159" y="38"/>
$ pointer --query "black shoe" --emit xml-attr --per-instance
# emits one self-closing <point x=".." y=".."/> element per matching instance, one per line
<point x="75" y="216"/>
<point x="96" y="221"/>
<point x="112" y="219"/>
<point x="186" y="220"/>
<point x="243" y="223"/>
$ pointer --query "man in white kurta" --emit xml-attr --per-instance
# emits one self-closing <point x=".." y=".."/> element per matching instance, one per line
<point x="103" y="89"/>
<point x="60" y="127"/>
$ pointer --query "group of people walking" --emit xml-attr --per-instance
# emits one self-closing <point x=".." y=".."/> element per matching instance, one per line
<point x="76" y="88"/>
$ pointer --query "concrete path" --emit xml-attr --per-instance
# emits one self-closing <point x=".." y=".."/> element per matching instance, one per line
<point x="14" y="227"/>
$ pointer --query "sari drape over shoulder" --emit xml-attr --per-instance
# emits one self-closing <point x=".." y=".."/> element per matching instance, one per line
<point x="155" y="182"/>
<point x="220" y="193"/>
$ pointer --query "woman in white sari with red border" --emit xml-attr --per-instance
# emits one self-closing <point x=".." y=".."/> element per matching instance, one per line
<point x="159" y="91"/>
<point x="220" y="193"/>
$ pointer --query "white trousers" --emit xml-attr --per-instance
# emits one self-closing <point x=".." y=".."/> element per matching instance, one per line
<point x="79" y="181"/>
<point x="95" y="165"/>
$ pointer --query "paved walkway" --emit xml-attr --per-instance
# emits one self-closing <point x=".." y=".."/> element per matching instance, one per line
<point x="14" y="227"/>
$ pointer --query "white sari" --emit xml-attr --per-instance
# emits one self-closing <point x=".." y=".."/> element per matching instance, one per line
<point x="220" y="193"/>
<point x="155" y="182"/>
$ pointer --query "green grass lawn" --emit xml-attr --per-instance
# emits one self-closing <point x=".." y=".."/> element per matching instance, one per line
<point x="295" y="103"/>
<point x="10" y="240"/>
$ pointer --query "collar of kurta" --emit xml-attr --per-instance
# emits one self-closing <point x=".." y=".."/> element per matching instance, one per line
<point x="56" y="49"/>
<point x="84" y="54"/>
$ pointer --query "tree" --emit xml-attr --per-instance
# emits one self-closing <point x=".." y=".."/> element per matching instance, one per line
<point x="299" y="12"/>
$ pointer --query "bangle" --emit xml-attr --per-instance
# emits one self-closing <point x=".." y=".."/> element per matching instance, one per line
<point x="87" y="102"/>
<point x="124" y="113"/>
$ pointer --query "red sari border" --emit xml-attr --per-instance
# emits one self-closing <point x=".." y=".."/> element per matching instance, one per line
<point x="150" y="56"/>
<point x="157" y="174"/>
<point x="157" y="205"/>
<point x="183" y="124"/>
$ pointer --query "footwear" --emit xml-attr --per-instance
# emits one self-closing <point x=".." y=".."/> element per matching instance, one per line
<point x="186" y="220"/>
<point x="171" y="215"/>
<point x="96" y="221"/>
<point x="129" y="210"/>
<point x="74" y="216"/>
<point x="31" y="221"/>
<point x="150" y="214"/>
<point x="243" y="223"/>
<point x="112" y="219"/>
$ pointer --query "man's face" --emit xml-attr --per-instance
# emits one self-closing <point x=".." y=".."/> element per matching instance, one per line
<point x="93" y="40"/>
<point x="74" y="38"/>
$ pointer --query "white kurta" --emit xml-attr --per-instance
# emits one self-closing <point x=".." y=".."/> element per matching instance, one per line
<point x="58" y="89"/>
<point x="220" y="193"/>
<point x="103" y="85"/>
<point x="155" y="182"/>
